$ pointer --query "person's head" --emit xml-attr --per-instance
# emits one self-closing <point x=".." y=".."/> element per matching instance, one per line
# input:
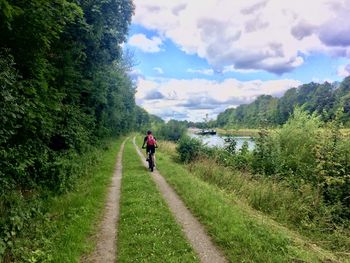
<point x="149" y="132"/>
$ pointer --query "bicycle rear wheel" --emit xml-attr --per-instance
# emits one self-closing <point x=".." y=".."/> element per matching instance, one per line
<point x="150" y="162"/>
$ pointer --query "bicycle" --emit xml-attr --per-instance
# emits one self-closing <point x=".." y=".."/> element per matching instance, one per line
<point x="150" y="160"/>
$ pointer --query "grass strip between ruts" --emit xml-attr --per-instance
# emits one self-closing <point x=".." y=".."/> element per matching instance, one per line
<point x="147" y="231"/>
<point x="77" y="213"/>
<point x="241" y="237"/>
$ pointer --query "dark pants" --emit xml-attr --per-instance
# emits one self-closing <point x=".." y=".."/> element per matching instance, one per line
<point x="151" y="149"/>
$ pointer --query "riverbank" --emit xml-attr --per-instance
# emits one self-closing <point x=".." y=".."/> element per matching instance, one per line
<point x="255" y="132"/>
<point x="238" y="132"/>
<point x="221" y="140"/>
<point x="242" y="232"/>
<point x="228" y="132"/>
<point x="278" y="205"/>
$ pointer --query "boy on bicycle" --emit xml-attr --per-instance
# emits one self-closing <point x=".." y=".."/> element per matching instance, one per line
<point x="151" y="145"/>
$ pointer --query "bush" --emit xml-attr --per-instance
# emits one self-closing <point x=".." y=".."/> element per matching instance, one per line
<point x="189" y="148"/>
<point x="290" y="150"/>
<point x="333" y="168"/>
<point x="304" y="151"/>
<point x="243" y="157"/>
<point x="296" y="142"/>
<point x="231" y="146"/>
<point x="23" y="212"/>
<point x="263" y="155"/>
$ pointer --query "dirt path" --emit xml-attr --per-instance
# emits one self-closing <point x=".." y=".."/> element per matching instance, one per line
<point x="106" y="248"/>
<point x="193" y="230"/>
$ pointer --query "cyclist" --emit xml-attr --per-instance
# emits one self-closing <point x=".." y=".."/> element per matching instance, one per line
<point x="151" y="145"/>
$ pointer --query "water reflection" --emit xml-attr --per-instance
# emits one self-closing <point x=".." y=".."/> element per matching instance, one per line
<point x="219" y="141"/>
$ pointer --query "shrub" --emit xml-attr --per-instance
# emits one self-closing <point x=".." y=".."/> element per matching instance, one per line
<point x="290" y="150"/>
<point x="263" y="161"/>
<point x="333" y="168"/>
<point x="296" y="141"/>
<point x="189" y="148"/>
<point x="243" y="157"/>
<point x="231" y="146"/>
<point x="307" y="152"/>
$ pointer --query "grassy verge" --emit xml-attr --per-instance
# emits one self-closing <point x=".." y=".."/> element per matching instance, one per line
<point x="294" y="208"/>
<point x="82" y="210"/>
<point x="243" y="236"/>
<point x="64" y="232"/>
<point x="147" y="231"/>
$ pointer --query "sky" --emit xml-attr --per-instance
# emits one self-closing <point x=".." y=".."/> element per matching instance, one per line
<point x="198" y="57"/>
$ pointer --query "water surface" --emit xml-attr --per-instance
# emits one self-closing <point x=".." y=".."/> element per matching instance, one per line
<point x="219" y="141"/>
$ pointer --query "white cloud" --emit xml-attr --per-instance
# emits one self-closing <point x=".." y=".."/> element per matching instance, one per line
<point x="208" y="72"/>
<point x="196" y="97"/>
<point x="231" y="68"/>
<point x="145" y="44"/>
<point x="160" y="71"/>
<point x="344" y="71"/>
<point x="251" y="34"/>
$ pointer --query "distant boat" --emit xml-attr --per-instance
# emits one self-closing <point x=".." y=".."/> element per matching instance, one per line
<point x="206" y="132"/>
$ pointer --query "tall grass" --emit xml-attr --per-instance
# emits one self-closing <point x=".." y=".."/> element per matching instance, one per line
<point x="241" y="233"/>
<point x="263" y="194"/>
<point x="167" y="147"/>
<point x="297" y="207"/>
<point x="48" y="227"/>
<point x="294" y="203"/>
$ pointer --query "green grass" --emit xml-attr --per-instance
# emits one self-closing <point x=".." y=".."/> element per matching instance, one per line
<point x="81" y="210"/>
<point x="294" y="208"/>
<point x="147" y="231"/>
<point x="65" y="232"/>
<point x="242" y="236"/>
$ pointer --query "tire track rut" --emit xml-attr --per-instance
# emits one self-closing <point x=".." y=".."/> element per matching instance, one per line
<point x="193" y="230"/>
<point x="106" y="245"/>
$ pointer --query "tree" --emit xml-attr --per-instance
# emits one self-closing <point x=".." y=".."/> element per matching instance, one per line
<point x="323" y="99"/>
<point x="62" y="81"/>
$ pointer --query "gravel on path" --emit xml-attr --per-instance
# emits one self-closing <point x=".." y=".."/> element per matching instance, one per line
<point x="192" y="229"/>
<point x="106" y="248"/>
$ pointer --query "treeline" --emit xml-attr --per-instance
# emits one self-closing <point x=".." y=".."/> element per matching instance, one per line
<point x="267" y="111"/>
<point x="64" y="85"/>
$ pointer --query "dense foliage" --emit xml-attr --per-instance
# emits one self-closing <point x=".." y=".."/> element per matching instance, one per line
<point x="64" y="87"/>
<point x="266" y="111"/>
<point x="189" y="149"/>
<point x="304" y="152"/>
<point x="63" y="84"/>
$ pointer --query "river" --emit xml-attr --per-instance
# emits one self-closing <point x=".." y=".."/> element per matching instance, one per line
<point x="219" y="141"/>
